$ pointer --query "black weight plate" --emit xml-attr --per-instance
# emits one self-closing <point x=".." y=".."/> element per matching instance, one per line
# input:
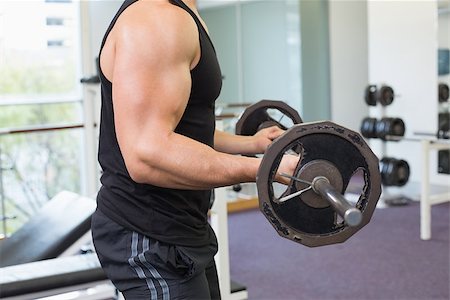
<point x="320" y="141"/>
<point x="403" y="172"/>
<point x="443" y="92"/>
<point x="389" y="128"/>
<point x="397" y="127"/>
<point x="387" y="171"/>
<point x="386" y="95"/>
<point x="342" y="154"/>
<point x="368" y="127"/>
<point x="256" y="116"/>
<point x="394" y="172"/>
<point x="370" y="95"/>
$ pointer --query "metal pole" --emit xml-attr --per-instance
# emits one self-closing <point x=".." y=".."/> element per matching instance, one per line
<point x="351" y="215"/>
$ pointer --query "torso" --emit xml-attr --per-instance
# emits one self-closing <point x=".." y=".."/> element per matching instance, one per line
<point x="169" y="215"/>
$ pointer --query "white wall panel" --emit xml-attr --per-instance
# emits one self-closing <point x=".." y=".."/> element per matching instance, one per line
<point x="403" y="43"/>
<point x="348" y="62"/>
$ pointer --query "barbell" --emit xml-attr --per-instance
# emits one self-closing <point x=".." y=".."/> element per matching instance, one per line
<point x="266" y="113"/>
<point x="312" y="209"/>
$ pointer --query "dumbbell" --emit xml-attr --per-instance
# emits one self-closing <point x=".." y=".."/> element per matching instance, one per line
<point x="443" y="92"/>
<point x="394" y="172"/>
<point x="444" y="161"/>
<point x="443" y="125"/>
<point x="312" y="210"/>
<point x="368" y="128"/>
<point x="385" y="128"/>
<point x="383" y="95"/>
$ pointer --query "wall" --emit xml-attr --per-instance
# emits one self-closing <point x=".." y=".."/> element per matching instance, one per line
<point x="222" y="26"/>
<point x="257" y="43"/>
<point x="315" y="64"/>
<point x="265" y="56"/>
<point x="403" y="54"/>
<point x="444" y="35"/>
<point x="284" y="53"/>
<point x="348" y="62"/>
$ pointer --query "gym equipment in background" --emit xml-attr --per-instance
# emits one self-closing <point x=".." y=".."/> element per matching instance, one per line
<point x="387" y="129"/>
<point x="394" y="172"/>
<point x="383" y="95"/>
<point x="60" y="228"/>
<point x="443" y="92"/>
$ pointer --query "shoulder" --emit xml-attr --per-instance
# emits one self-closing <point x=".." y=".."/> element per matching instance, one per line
<point x="159" y="21"/>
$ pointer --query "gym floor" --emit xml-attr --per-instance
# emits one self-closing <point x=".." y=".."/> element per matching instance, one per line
<point x="384" y="260"/>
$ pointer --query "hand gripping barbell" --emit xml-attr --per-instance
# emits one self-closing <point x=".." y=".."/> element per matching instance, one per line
<point x="264" y="114"/>
<point x="312" y="210"/>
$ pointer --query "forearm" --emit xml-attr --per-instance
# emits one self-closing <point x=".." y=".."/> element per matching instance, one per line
<point x="234" y="144"/>
<point x="175" y="161"/>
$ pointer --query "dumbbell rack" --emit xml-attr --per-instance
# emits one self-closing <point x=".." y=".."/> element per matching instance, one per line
<point x="386" y="197"/>
<point x="440" y="145"/>
<point x="384" y="96"/>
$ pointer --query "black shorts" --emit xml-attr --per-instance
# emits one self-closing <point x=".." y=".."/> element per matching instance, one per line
<point x="144" y="268"/>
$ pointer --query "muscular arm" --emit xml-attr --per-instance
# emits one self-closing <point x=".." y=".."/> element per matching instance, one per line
<point x="236" y="144"/>
<point x="151" y="86"/>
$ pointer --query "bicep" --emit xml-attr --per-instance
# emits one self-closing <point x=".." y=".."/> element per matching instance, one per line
<point x="151" y="88"/>
<point x="143" y="92"/>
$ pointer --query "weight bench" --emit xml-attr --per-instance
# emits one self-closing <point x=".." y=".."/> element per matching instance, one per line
<point x="56" y="276"/>
<point x="38" y="260"/>
<point x="58" y="229"/>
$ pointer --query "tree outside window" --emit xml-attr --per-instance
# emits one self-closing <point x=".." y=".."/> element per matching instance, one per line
<point x="40" y="64"/>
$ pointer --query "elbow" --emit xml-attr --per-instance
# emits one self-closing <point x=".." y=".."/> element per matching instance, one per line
<point x="136" y="171"/>
<point x="140" y="167"/>
<point x="137" y="175"/>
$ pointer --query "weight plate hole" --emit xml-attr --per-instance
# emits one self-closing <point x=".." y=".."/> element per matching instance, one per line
<point x="356" y="186"/>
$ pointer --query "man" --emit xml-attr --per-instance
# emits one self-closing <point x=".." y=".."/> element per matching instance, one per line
<point x="160" y="152"/>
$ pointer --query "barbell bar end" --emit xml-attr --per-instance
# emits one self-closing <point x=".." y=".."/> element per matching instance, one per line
<point x="353" y="217"/>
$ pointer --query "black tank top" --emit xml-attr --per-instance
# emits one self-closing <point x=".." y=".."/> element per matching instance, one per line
<point x="173" y="216"/>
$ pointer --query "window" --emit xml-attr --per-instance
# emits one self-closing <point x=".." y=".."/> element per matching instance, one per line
<point x="40" y="69"/>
